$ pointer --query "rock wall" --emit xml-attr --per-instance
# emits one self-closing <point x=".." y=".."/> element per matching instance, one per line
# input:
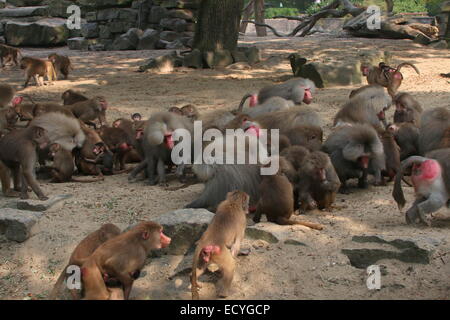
<point x="106" y="24"/>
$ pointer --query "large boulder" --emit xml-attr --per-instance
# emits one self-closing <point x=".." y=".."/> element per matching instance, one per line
<point x="99" y="4"/>
<point x="25" y="3"/>
<point x="174" y="24"/>
<point x="58" y="8"/>
<point x="38" y="205"/>
<point x="16" y="224"/>
<point x="185" y="227"/>
<point x="45" y="32"/>
<point x="127" y="41"/>
<point x="24" y="12"/>
<point x="148" y="40"/>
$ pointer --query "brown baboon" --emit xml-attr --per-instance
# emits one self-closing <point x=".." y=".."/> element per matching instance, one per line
<point x="37" y="69"/>
<point x="9" y="55"/>
<point x="61" y="63"/>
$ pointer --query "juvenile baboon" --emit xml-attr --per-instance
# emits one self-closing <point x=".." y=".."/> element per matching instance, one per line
<point x="6" y="94"/>
<point x="61" y="63"/>
<point x="120" y="258"/>
<point x="82" y="251"/>
<point x="221" y="242"/>
<point x="318" y="182"/>
<point x="37" y="69"/>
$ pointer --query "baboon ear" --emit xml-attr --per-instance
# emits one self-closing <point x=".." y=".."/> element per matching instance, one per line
<point x="145" y="235"/>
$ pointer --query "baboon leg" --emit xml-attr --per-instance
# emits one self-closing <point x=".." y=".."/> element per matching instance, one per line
<point x="285" y="221"/>
<point x="227" y="266"/>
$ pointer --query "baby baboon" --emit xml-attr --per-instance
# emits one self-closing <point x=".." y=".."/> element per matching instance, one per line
<point x="9" y="55"/>
<point x="37" y="69"/>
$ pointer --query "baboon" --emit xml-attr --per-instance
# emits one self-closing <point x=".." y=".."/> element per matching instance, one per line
<point x="89" y="110"/>
<point x="37" y="69"/>
<point x="221" y="242"/>
<point x="159" y="138"/>
<point x="61" y="63"/>
<point x="355" y="151"/>
<point x="391" y="152"/>
<point x="277" y="200"/>
<point x="270" y="105"/>
<point x="9" y="54"/>
<point x="118" y="142"/>
<point x="407" y="109"/>
<point x="82" y="251"/>
<point x="386" y="76"/>
<point x="433" y="124"/>
<point x="318" y="182"/>
<point x="368" y="106"/>
<point x="406" y="135"/>
<point x="431" y="179"/>
<point x="18" y="154"/>
<point x="121" y="258"/>
<point x="71" y="97"/>
<point x="6" y="95"/>
<point x="298" y="90"/>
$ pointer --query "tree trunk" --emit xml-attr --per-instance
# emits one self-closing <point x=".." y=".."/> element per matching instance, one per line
<point x="218" y="25"/>
<point x="389" y="5"/>
<point x="248" y="11"/>
<point x="259" y="18"/>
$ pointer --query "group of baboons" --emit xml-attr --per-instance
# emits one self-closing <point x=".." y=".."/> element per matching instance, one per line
<point x="311" y="171"/>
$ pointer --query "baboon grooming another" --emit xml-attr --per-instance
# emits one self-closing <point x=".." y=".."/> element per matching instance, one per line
<point x="82" y="251"/>
<point x="37" y="69"/>
<point x="121" y="258"/>
<point x="61" y="63"/>
<point x="407" y="109"/>
<point x="221" y="242"/>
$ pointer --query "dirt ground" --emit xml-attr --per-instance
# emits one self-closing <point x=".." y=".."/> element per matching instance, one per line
<point x="272" y="271"/>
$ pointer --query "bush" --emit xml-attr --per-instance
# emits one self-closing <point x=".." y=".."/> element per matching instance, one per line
<point x="433" y="6"/>
<point x="273" y="12"/>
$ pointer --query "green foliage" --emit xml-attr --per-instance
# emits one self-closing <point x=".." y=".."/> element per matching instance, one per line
<point x="433" y="6"/>
<point x="272" y="12"/>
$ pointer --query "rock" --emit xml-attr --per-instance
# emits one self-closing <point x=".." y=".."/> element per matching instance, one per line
<point x="104" y="32"/>
<point x="185" y="227"/>
<point x="157" y="14"/>
<point x="410" y="250"/>
<point x="16" y="224"/>
<point x="442" y="44"/>
<point x="45" y="32"/>
<point x="193" y="59"/>
<point x="130" y="15"/>
<point x="181" y="14"/>
<point x="25" y="3"/>
<point x="148" y="40"/>
<point x="218" y="59"/>
<point x="260" y="232"/>
<point x="177" y="44"/>
<point x="422" y="39"/>
<point x="2" y="40"/>
<point x="90" y="30"/>
<point x="175" y="24"/>
<point x="107" y="14"/>
<point x="38" y="205"/>
<point x="24" y="12"/>
<point x="161" y="44"/>
<point x="99" y="4"/>
<point x="58" y="8"/>
<point x="169" y="36"/>
<point x="120" y="26"/>
<point x="188" y="4"/>
<point x="294" y="242"/>
<point x="78" y="43"/>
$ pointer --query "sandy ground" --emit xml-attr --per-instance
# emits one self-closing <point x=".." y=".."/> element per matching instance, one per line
<point x="277" y="271"/>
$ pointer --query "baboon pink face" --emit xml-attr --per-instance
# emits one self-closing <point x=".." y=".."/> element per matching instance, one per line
<point x="308" y="96"/>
